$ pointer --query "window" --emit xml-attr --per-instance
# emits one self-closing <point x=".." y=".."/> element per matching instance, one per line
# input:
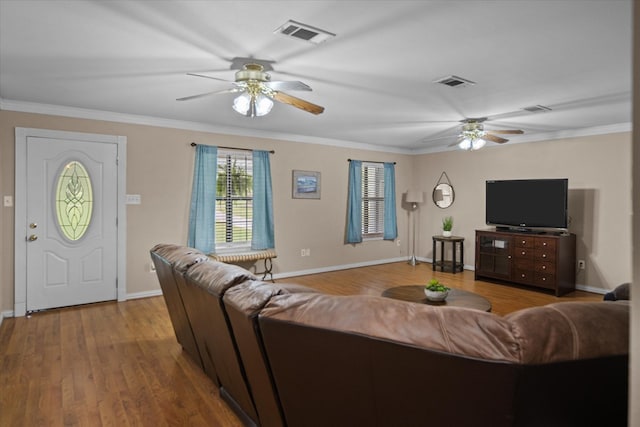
<point x="234" y="199"/>
<point x="372" y="200"/>
<point x="74" y="200"/>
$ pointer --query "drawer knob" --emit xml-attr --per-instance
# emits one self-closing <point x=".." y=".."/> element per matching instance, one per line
<point x="524" y="241"/>
<point x="544" y="243"/>
<point x="544" y="267"/>
<point x="523" y="275"/>
<point x="524" y="253"/>
<point x="544" y="279"/>
<point x="544" y="255"/>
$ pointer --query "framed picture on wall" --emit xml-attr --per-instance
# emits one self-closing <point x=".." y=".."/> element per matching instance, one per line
<point x="306" y="185"/>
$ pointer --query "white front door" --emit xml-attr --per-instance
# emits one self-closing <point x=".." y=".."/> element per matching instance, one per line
<point x="70" y="225"/>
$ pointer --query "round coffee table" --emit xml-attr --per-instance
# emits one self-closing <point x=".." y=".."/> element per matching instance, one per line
<point x="456" y="297"/>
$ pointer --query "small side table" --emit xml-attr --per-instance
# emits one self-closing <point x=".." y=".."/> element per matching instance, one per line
<point x="452" y="265"/>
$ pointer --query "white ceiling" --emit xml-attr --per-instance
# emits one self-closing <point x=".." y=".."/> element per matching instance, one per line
<point x="375" y="78"/>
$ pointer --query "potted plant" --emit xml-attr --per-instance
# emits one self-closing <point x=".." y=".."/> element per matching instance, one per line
<point x="447" y="225"/>
<point x="436" y="291"/>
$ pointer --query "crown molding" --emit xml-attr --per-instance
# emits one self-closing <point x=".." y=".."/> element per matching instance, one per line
<point x="110" y="116"/>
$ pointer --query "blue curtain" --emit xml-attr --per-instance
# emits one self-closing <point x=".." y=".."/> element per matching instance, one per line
<point x="354" y="203"/>
<point x="390" y="222"/>
<point x="202" y="215"/>
<point x="262" y="225"/>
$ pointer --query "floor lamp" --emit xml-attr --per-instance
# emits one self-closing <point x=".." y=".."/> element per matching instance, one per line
<point x="415" y="198"/>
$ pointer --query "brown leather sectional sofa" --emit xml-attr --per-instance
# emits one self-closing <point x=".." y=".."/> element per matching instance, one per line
<point x="286" y="355"/>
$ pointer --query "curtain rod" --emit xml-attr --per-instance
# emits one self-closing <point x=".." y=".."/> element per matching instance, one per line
<point x="193" y="144"/>
<point x="371" y="161"/>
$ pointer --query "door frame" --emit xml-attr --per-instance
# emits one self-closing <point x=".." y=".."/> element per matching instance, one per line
<point x="20" y="241"/>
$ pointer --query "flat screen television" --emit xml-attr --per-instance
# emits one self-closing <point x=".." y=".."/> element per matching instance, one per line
<point x="527" y="204"/>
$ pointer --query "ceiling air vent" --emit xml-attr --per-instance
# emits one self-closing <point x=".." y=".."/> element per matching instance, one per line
<point x="537" y="109"/>
<point x="454" y="81"/>
<point x="304" y="32"/>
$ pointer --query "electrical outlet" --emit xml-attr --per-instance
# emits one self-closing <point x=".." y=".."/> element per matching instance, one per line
<point x="581" y="264"/>
<point x="398" y="242"/>
<point x="152" y="268"/>
<point x="8" y="201"/>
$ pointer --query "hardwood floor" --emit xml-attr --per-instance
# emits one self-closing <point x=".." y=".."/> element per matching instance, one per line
<point x="118" y="364"/>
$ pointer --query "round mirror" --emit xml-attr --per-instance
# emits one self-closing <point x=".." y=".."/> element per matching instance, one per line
<point x="443" y="195"/>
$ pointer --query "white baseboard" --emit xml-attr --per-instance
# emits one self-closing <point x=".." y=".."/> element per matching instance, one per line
<point x="145" y="294"/>
<point x="3" y="314"/>
<point x="591" y="289"/>
<point x="335" y="268"/>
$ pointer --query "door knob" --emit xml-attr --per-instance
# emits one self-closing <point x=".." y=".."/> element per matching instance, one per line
<point x="33" y="225"/>
<point x="33" y="237"/>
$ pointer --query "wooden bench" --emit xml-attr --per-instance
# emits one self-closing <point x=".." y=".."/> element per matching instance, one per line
<point x="233" y="258"/>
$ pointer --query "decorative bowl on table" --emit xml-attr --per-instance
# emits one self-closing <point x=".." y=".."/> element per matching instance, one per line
<point x="436" y="295"/>
<point x="436" y="291"/>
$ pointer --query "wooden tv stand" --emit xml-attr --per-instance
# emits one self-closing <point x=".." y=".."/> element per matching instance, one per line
<point x="541" y="260"/>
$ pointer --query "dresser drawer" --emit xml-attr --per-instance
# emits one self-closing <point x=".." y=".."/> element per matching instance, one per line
<point x="544" y="255"/>
<point x="523" y="253"/>
<point x="545" y="267"/>
<point x="523" y="263"/>
<point x="542" y="243"/>
<point x="524" y="276"/>
<point x="544" y="280"/>
<point x="524" y="242"/>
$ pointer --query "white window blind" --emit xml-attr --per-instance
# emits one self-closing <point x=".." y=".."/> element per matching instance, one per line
<point x="234" y="199"/>
<point x="372" y="200"/>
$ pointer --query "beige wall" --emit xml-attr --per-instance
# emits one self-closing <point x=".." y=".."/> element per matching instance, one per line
<point x="599" y="173"/>
<point x="160" y="168"/>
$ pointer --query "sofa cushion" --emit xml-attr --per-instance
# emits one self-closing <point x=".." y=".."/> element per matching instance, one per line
<point x="180" y="257"/>
<point x="461" y="331"/>
<point x="164" y="256"/>
<point x="242" y="304"/>
<point x="216" y="277"/>
<point x="365" y="360"/>
<point x="571" y="330"/>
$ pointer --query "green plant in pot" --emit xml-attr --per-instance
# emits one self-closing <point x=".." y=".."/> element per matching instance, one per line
<point x="436" y="291"/>
<point x="447" y="225"/>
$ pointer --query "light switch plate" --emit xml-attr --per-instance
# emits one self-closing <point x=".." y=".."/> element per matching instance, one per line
<point x="134" y="199"/>
<point x="7" y="201"/>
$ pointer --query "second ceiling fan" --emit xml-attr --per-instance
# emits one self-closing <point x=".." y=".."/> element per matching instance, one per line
<point x="257" y="91"/>
<point x="474" y="136"/>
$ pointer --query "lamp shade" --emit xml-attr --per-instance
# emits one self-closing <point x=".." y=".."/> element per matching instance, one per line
<point x="414" y="196"/>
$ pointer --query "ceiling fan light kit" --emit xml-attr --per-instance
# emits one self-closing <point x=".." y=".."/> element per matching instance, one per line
<point x="252" y="105"/>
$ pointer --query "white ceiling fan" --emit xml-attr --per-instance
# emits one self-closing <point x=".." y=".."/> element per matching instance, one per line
<point x="257" y="91"/>
<point x="474" y="136"/>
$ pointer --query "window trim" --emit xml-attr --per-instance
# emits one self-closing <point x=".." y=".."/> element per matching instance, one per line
<point x="225" y="246"/>
<point x="379" y="233"/>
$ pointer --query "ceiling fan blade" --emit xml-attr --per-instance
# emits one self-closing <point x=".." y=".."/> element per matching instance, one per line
<point x="494" y="138"/>
<point x="288" y="85"/>
<point x="231" y="90"/>
<point x="208" y="77"/>
<point x="506" y="131"/>
<point x="297" y="102"/>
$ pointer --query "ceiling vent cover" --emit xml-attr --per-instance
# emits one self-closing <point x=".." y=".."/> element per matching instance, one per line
<point x="454" y="81"/>
<point x="537" y="109"/>
<point x="304" y="32"/>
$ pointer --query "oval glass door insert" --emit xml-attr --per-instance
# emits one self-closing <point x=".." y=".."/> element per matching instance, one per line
<point x="74" y="200"/>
